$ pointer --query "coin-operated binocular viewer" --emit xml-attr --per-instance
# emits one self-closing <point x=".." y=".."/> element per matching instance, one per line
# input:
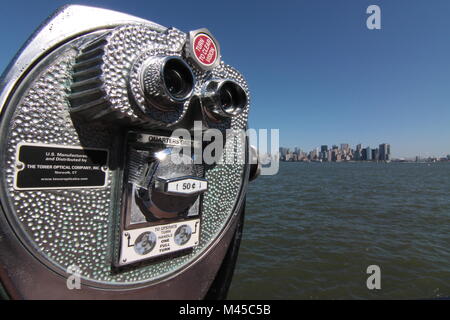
<point x="92" y="204"/>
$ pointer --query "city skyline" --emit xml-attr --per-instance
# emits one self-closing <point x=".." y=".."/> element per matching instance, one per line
<point x="420" y="154"/>
<point x="377" y="153"/>
<point x="332" y="80"/>
<point x="337" y="154"/>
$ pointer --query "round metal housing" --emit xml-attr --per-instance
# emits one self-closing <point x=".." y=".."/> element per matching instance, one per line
<point x="166" y="81"/>
<point x="223" y="99"/>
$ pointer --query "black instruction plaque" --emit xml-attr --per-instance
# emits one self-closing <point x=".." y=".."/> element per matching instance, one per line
<point x="40" y="166"/>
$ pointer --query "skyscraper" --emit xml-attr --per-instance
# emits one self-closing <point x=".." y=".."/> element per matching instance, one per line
<point x="375" y="154"/>
<point x="367" y="153"/>
<point x="283" y="151"/>
<point x="324" y="153"/>
<point x="329" y="155"/>
<point x="358" y="153"/>
<point x="385" y="152"/>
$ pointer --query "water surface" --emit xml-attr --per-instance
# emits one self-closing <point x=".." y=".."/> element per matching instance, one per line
<point x="312" y="230"/>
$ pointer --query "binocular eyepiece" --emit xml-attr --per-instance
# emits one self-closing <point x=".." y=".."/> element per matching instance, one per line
<point x="152" y="87"/>
<point x="223" y="99"/>
<point x="167" y="81"/>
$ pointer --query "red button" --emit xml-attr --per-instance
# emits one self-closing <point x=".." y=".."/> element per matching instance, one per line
<point x="205" y="49"/>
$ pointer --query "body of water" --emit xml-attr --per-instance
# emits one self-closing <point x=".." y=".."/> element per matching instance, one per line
<point x="312" y="230"/>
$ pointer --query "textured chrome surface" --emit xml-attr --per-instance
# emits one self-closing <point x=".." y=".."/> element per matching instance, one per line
<point x="65" y="24"/>
<point x="110" y="70"/>
<point x="113" y="65"/>
<point x="77" y="227"/>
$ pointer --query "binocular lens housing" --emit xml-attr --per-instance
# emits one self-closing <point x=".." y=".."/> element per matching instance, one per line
<point x="232" y="98"/>
<point x="166" y="81"/>
<point x="178" y="78"/>
<point x="223" y="99"/>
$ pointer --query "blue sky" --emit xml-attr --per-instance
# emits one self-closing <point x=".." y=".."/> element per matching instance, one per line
<point x="315" y="71"/>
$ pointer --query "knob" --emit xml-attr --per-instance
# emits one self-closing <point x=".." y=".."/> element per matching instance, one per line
<point x="170" y="189"/>
<point x="255" y="165"/>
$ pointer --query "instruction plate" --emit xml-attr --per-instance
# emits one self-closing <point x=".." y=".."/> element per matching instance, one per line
<point x="42" y="166"/>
